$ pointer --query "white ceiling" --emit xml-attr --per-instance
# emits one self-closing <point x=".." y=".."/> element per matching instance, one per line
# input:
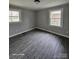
<point x="43" y="3"/>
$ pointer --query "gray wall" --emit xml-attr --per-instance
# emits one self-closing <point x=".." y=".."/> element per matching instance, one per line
<point x="42" y="20"/>
<point x="27" y="21"/>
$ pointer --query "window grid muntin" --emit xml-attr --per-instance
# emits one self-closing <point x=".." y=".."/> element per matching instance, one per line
<point x="12" y="17"/>
<point x="53" y="20"/>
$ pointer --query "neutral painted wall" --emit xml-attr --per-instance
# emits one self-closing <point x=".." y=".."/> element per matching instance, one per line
<point x="42" y="20"/>
<point x="27" y="21"/>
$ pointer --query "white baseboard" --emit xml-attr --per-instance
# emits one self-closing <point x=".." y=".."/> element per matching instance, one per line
<point x="41" y="29"/>
<point x="21" y="32"/>
<point x="52" y="32"/>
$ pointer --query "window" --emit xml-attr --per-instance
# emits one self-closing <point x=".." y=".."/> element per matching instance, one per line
<point x="55" y="17"/>
<point x="14" y="16"/>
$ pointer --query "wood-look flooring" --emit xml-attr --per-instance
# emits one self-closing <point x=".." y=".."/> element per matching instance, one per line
<point x="38" y="44"/>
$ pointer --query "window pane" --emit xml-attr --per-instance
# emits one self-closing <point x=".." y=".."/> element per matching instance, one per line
<point x="15" y="19"/>
<point x="13" y="16"/>
<point x="10" y="19"/>
<point x="9" y="13"/>
<point x="55" y="18"/>
<point x="56" y="22"/>
<point x="15" y="13"/>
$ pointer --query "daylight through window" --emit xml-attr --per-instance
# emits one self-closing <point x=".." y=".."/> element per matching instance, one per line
<point x="14" y="16"/>
<point x="55" y="17"/>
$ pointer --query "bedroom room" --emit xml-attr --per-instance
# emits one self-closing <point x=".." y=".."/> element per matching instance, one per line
<point x="38" y="29"/>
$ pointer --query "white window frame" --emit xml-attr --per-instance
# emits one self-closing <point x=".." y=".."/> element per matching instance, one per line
<point x="19" y="14"/>
<point x="61" y="21"/>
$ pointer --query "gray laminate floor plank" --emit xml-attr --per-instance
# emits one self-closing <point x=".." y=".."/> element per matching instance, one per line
<point x="38" y="45"/>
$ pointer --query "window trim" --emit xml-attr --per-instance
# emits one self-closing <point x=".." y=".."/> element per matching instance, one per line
<point x="61" y="17"/>
<point x="13" y="9"/>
